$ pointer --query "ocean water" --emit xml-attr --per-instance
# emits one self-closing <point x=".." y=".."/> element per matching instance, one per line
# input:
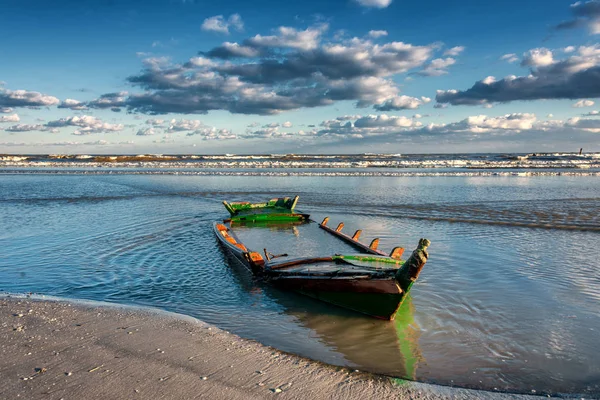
<point x="509" y="299"/>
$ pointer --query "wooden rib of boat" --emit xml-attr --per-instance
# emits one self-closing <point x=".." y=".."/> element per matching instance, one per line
<point x="280" y="209"/>
<point x="371" y="282"/>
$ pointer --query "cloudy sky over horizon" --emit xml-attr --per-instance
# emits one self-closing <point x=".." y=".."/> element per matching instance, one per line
<point x="344" y="76"/>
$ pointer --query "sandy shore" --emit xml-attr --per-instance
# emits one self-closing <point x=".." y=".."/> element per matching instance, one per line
<point x="70" y="350"/>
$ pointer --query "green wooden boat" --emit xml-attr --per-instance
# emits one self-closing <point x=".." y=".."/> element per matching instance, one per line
<point x="280" y="209"/>
<point x="371" y="282"/>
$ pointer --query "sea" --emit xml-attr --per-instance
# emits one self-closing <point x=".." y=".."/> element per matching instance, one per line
<point x="508" y="301"/>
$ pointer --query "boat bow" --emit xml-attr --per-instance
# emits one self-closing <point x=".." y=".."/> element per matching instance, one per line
<point x="409" y="272"/>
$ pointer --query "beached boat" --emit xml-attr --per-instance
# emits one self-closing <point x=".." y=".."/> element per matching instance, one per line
<point x="278" y="209"/>
<point x="371" y="282"/>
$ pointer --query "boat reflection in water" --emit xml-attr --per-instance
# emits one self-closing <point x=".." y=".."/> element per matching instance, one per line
<point x="365" y="343"/>
<point x="389" y="347"/>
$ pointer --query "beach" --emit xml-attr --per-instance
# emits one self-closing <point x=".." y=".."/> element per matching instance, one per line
<point x="74" y="350"/>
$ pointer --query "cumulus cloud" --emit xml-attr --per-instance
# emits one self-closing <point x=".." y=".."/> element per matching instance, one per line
<point x="454" y="51"/>
<point x="390" y="127"/>
<point x="146" y="132"/>
<point x="402" y="103"/>
<point x="288" y="70"/>
<point x="362" y="126"/>
<point x="73" y="105"/>
<point x="377" y="34"/>
<point x="583" y="103"/>
<point x="383" y="120"/>
<point x="374" y="3"/>
<point x="6" y="110"/>
<point x="437" y="67"/>
<point x="229" y="50"/>
<point x="24" y="98"/>
<point x="219" y="24"/>
<point x="212" y="133"/>
<point x="109" y="100"/>
<point x="155" y="121"/>
<point x="25" y="128"/>
<point x="10" y="118"/>
<point x="286" y="37"/>
<point x="541" y="57"/>
<point x="287" y="124"/>
<point x="587" y="14"/>
<point x="593" y="113"/>
<point x="272" y="125"/>
<point x="87" y="125"/>
<point x="589" y="125"/>
<point x="184" y="125"/>
<point x="511" y="58"/>
<point x="575" y="77"/>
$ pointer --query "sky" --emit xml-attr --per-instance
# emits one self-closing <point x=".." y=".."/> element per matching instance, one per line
<point x="343" y="76"/>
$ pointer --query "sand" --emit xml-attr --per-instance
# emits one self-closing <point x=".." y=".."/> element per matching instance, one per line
<point x="73" y="350"/>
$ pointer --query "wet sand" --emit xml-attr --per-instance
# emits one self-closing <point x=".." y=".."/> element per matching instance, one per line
<point x="72" y="350"/>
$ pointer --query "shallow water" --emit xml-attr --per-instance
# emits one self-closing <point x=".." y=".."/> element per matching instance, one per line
<point x="509" y="299"/>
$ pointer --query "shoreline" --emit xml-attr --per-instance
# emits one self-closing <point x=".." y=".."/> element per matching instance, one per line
<point x="62" y="348"/>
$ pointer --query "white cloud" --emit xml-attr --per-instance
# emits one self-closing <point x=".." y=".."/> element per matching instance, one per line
<point x="541" y="57"/>
<point x="10" y="118"/>
<point x="25" y="128"/>
<point x="438" y="66"/>
<point x="583" y="103"/>
<point x="112" y="100"/>
<point x="201" y="62"/>
<point x="575" y="77"/>
<point x="24" y="98"/>
<point x="287" y="124"/>
<point x="212" y="133"/>
<point x="220" y="25"/>
<point x="374" y="3"/>
<point x="287" y="37"/>
<point x="6" y="110"/>
<point x="309" y="72"/>
<point x="87" y="125"/>
<point x="377" y="34"/>
<point x="146" y="132"/>
<point x="383" y="120"/>
<point x="402" y="103"/>
<point x="184" y="125"/>
<point x="454" y="51"/>
<point x="511" y="58"/>
<point x="73" y="104"/>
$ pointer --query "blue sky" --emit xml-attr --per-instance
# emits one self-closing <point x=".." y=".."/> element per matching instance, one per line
<point x="175" y="76"/>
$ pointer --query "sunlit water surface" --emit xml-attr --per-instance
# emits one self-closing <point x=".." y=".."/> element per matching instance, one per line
<point x="509" y="300"/>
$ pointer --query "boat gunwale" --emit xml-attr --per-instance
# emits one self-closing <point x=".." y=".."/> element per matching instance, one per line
<point x="277" y="267"/>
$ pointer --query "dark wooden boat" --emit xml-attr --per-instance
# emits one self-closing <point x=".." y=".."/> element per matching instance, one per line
<point x="279" y="209"/>
<point x="371" y="282"/>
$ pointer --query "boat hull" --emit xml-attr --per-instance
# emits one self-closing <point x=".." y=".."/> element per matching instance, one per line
<point x="380" y="298"/>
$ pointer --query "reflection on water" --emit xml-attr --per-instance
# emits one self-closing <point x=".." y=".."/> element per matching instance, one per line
<point x="508" y="299"/>
<point x="388" y="347"/>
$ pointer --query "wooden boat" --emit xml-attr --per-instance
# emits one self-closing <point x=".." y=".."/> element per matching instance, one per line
<point x="279" y="209"/>
<point x="371" y="282"/>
